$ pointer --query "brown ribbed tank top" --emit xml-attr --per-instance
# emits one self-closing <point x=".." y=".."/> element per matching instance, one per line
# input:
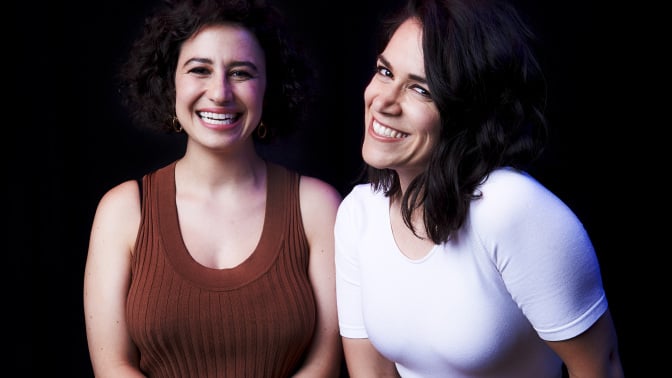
<point x="254" y="320"/>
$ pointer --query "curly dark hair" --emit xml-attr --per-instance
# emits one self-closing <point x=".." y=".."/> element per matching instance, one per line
<point x="147" y="78"/>
<point x="491" y="95"/>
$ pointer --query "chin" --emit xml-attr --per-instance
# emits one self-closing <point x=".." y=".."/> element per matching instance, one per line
<point x="371" y="160"/>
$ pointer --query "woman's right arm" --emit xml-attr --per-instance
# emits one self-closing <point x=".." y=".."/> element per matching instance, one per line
<point x="362" y="359"/>
<point x="106" y="282"/>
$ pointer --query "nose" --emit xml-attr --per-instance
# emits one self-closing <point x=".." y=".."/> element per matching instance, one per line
<point x="220" y="89"/>
<point x="384" y="98"/>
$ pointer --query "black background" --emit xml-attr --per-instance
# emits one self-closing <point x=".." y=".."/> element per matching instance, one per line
<point x="68" y="140"/>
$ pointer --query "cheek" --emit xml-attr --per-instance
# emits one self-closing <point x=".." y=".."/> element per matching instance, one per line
<point x="184" y="89"/>
<point x="252" y="93"/>
<point x="372" y="89"/>
<point x="428" y="121"/>
<point x="368" y="94"/>
<point x="259" y="91"/>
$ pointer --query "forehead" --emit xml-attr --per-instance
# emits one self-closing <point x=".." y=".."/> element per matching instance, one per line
<point x="405" y="46"/>
<point x="223" y="41"/>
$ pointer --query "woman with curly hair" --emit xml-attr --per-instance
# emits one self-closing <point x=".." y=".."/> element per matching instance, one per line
<point x="221" y="263"/>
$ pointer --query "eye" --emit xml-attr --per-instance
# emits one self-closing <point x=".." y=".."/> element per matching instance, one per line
<point x="241" y="75"/>
<point x="421" y="90"/>
<point x="200" y="71"/>
<point x="383" y="71"/>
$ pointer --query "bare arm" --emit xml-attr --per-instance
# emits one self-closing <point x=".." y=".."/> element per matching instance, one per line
<point x="319" y="203"/>
<point x="592" y="354"/>
<point x="106" y="282"/>
<point x="364" y="361"/>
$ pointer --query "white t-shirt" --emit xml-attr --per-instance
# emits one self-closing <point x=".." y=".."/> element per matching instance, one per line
<point x="521" y="269"/>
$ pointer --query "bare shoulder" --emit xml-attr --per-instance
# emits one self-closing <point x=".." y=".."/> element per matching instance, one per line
<point x="318" y="193"/>
<point x="118" y="213"/>
<point x="319" y="203"/>
<point x="123" y="197"/>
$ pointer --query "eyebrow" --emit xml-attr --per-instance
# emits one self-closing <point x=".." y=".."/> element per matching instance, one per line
<point x="412" y="76"/>
<point x="235" y="63"/>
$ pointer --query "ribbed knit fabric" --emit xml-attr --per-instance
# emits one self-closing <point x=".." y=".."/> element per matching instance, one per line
<point x="253" y="320"/>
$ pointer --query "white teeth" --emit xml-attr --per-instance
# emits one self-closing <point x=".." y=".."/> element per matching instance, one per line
<point x="387" y="132"/>
<point x="218" y="118"/>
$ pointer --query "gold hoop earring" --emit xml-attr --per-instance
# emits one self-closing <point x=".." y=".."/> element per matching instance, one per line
<point x="177" y="127"/>
<point x="262" y="130"/>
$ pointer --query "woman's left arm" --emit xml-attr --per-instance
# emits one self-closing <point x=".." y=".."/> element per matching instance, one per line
<point x="319" y="204"/>
<point x="593" y="353"/>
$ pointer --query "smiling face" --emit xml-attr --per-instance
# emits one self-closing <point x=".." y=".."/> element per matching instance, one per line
<point x="401" y="120"/>
<point x="220" y="82"/>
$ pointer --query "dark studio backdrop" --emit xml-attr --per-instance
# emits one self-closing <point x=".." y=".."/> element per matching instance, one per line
<point x="72" y="141"/>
